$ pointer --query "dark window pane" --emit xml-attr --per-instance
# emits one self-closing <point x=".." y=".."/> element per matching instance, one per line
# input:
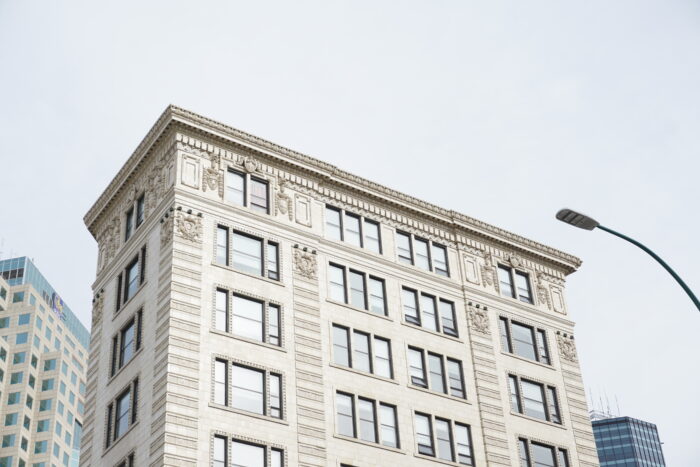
<point x="543" y="456"/>
<point x="505" y="335"/>
<point x="273" y="324"/>
<point x="464" y="445"/>
<point x="454" y="371"/>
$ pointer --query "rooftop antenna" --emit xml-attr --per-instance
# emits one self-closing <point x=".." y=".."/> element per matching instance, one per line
<point x="618" y="405"/>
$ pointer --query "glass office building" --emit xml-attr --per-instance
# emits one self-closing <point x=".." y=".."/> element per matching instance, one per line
<point x="43" y="357"/>
<point x="627" y="442"/>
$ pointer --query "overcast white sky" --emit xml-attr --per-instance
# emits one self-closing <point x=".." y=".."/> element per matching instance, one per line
<point x="505" y="111"/>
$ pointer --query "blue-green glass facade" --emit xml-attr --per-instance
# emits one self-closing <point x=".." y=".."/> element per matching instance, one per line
<point x="20" y="271"/>
<point x="627" y="442"/>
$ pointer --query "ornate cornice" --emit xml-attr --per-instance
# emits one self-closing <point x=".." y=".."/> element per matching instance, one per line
<point x="460" y="228"/>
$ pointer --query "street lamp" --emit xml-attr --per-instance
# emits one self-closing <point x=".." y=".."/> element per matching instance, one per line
<point x="582" y="221"/>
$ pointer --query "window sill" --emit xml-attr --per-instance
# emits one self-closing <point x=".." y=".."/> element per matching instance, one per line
<point x="120" y="370"/>
<point x="278" y="348"/>
<point x="535" y="419"/>
<point x="255" y="276"/>
<point x="130" y="300"/>
<point x="440" y="394"/>
<point x="435" y="333"/>
<point x="550" y="367"/>
<point x="121" y="437"/>
<point x="281" y="421"/>
<point x="346" y="305"/>
<point x="363" y="373"/>
<point x="438" y="460"/>
<point x="367" y="443"/>
<point x="353" y="249"/>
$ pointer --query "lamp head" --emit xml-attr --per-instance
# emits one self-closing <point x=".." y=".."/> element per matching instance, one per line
<point x="577" y="219"/>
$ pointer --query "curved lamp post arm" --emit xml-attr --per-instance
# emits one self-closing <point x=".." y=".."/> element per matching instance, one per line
<point x="585" y="222"/>
<point x="659" y="260"/>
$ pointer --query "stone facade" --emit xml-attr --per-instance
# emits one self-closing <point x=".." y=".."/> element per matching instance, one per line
<point x="180" y="168"/>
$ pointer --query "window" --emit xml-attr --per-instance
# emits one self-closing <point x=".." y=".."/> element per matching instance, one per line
<point x="424" y="254"/>
<point x="245" y="454"/>
<point x="23" y="319"/>
<point x="121" y="413"/>
<point x="429" y="312"/>
<point x="356" y="288"/>
<point x="435" y="372"/>
<point x="444" y="439"/>
<point x="126" y="343"/>
<point x="50" y="364"/>
<point x="534" y="399"/>
<point x="247" y="317"/>
<point x="13" y="398"/>
<point x="21" y="338"/>
<point x="244" y="388"/>
<point x="19" y="357"/>
<point x="47" y="384"/>
<point x="8" y="441"/>
<point x="514" y="284"/>
<point x="366" y="419"/>
<point x="362" y="351"/>
<point x="5" y="322"/>
<point x="533" y="454"/>
<point x="222" y="245"/>
<point x="18" y="297"/>
<point x="525" y="341"/>
<point x="128" y="461"/>
<point x="350" y="228"/>
<point x="129" y="281"/>
<point x="11" y="419"/>
<point x="42" y="425"/>
<point x="40" y="447"/>
<point x="134" y="217"/>
<point x="16" y="377"/>
<point x="246" y="190"/>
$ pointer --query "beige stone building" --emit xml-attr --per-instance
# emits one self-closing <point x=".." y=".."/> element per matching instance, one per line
<point x="280" y="311"/>
<point x="43" y="361"/>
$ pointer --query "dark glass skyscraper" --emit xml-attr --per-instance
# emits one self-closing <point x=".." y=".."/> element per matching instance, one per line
<point x="627" y="442"/>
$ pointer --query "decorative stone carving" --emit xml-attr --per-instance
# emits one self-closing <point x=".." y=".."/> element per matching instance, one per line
<point x="514" y="260"/>
<point x="109" y="241"/>
<point x="488" y="272"/>
<point x="97" y="307"/>
<point x="188" y="226"/>
<point x="542" y="291"/>
<point x="567" y="348"/>
<point x="478" y="318"/>
<point x="305" y="262"/>
<point x="166" y="231"/>
<point x="283" y="202"/>
<point x="210" y="179"/>
<point x="250" y="165"/>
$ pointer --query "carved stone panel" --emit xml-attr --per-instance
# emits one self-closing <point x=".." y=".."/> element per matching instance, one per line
<point x="567" y="348"/>
<point x="303" y="210"/>
<point x="190" y="171"/>
<point x="471" y="269"/>
<point x="188" y="226"/>
<point x="305" y="263"/>
<point x="478" y="318"/>
<point x="283" y="201"/>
